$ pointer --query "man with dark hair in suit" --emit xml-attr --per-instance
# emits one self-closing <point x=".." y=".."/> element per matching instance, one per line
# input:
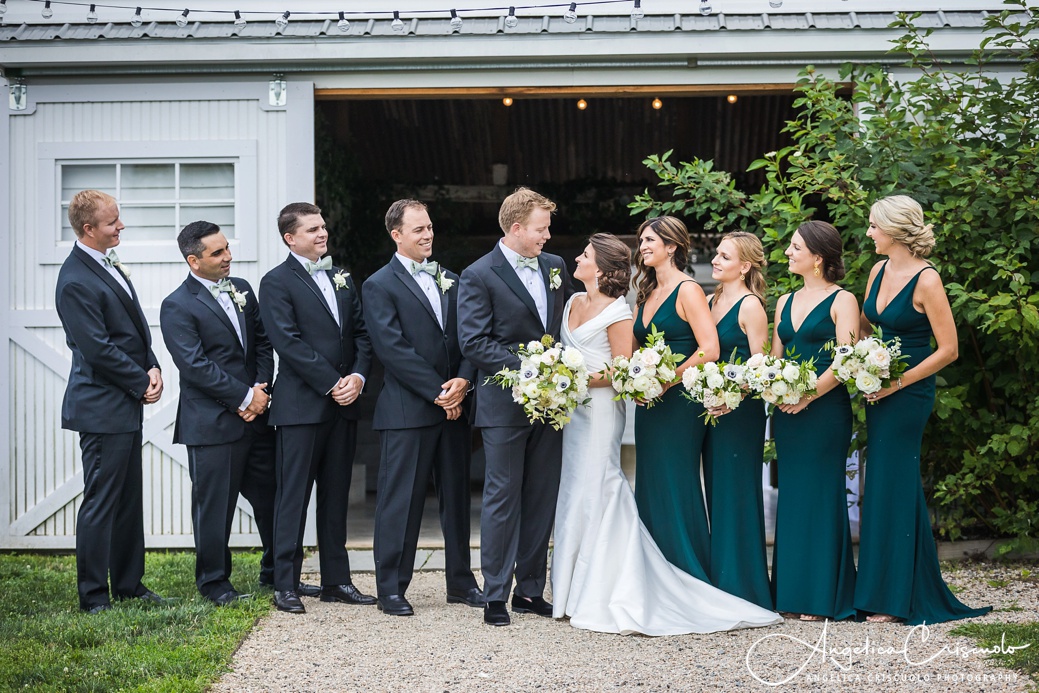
<point x="211" y="326"/>
<point x="313" y="317"/>
<point x="515" y="294"/>
<point x="114" y="372"/>
<point x="410" y="306"/>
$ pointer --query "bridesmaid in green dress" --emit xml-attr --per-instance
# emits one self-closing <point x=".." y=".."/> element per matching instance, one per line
<point x="735" y="446"/>
<point x="669" y="436"/>
<point x="899" y="578"/>
<point x="813" y="567"/>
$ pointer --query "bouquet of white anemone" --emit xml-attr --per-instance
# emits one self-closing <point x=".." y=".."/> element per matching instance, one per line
<point x="644" y="375"/>
<point x="870" y="364"/>
<point x="551" y="382"/>
<point x="714" y="384"/>
<point x="780" y="380"/>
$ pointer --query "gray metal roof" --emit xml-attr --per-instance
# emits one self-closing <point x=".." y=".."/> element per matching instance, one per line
<point x="489" y="26"/>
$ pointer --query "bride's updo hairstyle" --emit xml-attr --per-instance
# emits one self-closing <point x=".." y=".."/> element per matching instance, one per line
<point x="825" y="241"/>
<point x="613" y="259"/>
<point x="749" y="248"/>
<point x="672" y="232"/>
<point x="901" y="218"/>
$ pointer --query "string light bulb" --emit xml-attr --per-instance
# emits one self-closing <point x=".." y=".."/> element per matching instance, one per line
<point x="657" y="104"/>
<point x="47" y="12"/>
<point x="775" y="4"/>
<point x="397" y="25"/>
<point x="3" y="7"/>
<point x="239" y="20"/>
<point x="343" y="24"/>
<point x="283" y="21"/>
<point x="571" y="14"/>
<point x="507" y="101"/>
<point x="705" y="7"/>
<point x="456" y="21"/>
<point x="511" y="21"/>
<point x="137" y="19"/>
<point x="92" y="14"/>
<point x="731" y="98"/>
<point x="582" y="104"/>
<point x="182" y="20"/>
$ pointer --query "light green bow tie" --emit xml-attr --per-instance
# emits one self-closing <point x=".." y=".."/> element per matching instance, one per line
<point x="222" y="285"/>
<point x="111" y="259"/>
<point x="324" y="263"/>
<point x="530" y="262"/>
<point x="430" y="268"/>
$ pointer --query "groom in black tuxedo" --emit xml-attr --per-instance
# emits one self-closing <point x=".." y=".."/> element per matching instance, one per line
<point x="114" y="373"/>
<point x="212" y="329"/>
<point x="313" y="317"/>
<point x="515" y="294"/>
<point x="410" y="306"/>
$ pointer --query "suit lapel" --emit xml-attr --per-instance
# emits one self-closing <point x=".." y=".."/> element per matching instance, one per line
<point x="202" y="295"/>
<point x="550" y="295"/>
<point x="339" y="296"/>
<point x="132" y="305"/>
<point x="305" y="277"/>
<point x="412" y="285"/>
<point x="508" y="275"/>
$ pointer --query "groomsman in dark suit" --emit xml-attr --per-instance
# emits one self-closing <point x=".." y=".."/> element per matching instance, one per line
<point x="410" y="306"/>
<point x="513" y="295"/>
<point x="313" y="317"/>
<point x="114" y="373"/>
<point x="212" y="329"/>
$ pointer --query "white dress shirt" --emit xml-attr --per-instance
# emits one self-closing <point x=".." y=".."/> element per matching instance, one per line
<point x="225" y="301"/>
<point x="531" y="279"/>
<point x="428" y="285"/>
<point x="101" y="257"/>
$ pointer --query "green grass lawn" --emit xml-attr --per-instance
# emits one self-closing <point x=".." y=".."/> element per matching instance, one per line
<point x="1001" y="635"/>
<point x="46" y="643"/>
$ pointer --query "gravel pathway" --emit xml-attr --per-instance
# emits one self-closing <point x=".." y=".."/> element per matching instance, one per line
<point x="448" y="648"/>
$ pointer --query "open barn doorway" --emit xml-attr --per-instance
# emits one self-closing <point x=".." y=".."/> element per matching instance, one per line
<point x="462" y="153"/>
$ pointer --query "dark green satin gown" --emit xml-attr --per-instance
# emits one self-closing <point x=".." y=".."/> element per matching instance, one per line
<point x="732" y="464"/>
<point x="813" y="565"/>
<point x="898" y="562"/>
<point x="669" y="440"/>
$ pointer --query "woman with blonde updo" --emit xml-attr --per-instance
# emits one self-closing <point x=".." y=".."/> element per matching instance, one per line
<point x="735" y="445"/>
<point x="899" y="578"/>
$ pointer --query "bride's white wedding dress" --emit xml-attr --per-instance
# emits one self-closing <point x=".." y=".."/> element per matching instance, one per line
<point x="607" y="573"/>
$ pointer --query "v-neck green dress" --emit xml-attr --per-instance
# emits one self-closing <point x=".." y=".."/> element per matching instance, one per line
<point x="898" y="561"/>
<point x="813" y="567"/>
<point x="732" y="464"/>
<point x="669" y="440"/>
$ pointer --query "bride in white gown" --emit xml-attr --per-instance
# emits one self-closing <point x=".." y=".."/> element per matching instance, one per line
<point x="607" y="573"/>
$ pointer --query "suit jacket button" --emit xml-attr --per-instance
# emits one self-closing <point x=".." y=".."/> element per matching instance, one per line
<point x="340" y="368"/>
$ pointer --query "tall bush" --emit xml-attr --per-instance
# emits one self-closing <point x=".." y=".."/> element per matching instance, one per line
<point x="963" y="142"/>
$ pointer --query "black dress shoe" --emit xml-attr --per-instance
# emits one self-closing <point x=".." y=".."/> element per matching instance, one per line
<point x="470" y="597"/>
<point x="305" y="590"/>
<point x="531" y="605"/>
<point x="229" y="597"/>
<point x="288" y="601"/>
<point x="97" y="608"/>
<point x="495" y="614"/>
<point x="395" y="605"/>
<point x="148" y="597"/>
<point x="348" y="594"/>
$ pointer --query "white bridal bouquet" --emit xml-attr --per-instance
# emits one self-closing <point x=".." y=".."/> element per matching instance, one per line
<point x="714" y="384"/>
<point x="644" y="375"/>
<point x="551" y="382"/>
<point x="870" y="364"/>
<point x="780" y="380"/>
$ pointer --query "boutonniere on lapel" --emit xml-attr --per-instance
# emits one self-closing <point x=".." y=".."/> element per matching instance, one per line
<point x="554" y="280"/>
<point x="238" y="297"/>
<point x="339" y="279"/>
<point x="444" y="282"/>
<point x="112" y="259"/>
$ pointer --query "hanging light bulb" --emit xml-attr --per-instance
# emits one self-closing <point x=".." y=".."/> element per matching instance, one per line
<point x="705" y="7"/>
<point x="3" y="7"/>
<point x="397" y="25"/>
<point x="507" y="101"/>
<point x="571" y="14"/>
<point x="47" y="12"/>
<point x="775" y="4"/>
<point x="636" y="12"/>
<point x="456" y="21"/>
<point x="582" y="104"/>
<point x="92" y="14"/>
<point x="731" y="98"/>
<point x="657" y="104"/>
<point x="344" y="23"/>
<point x="511" y="21"/>
<point x="182" y="20"/>
<point x="283" y="21"/>
<point x="239" y="20"/>
<point x="137" y="19"/>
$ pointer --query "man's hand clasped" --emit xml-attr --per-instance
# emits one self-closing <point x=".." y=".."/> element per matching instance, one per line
<point x="451" y="395"/>
<point x="347" y="390"/>
<point x="154" y="391"/>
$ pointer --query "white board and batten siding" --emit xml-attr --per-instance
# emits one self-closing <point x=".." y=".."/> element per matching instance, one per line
<point x="41" y="478"/>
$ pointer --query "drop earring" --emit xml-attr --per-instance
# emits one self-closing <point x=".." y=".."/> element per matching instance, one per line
<point x="743" y="277"/>
<point x="816" y="271"/>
